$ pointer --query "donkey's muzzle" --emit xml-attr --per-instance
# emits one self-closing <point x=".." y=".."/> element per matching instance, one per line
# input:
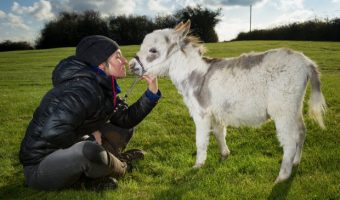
<point x="133" y="66"/>
<point x="136" y="66"/>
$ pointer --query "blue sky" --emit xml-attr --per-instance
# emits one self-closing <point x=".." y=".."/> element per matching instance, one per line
<point x="23" y="19"/>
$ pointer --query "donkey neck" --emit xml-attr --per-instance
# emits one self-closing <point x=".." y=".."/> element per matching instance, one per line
<point x="185" y="63"/>
<point x="187" y="71"/>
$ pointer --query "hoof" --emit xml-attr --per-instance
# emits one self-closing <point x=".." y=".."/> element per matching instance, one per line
<point x="225" y="156"/>
<point x="296" y="163"/>
<point x="197" y="166"/>
<point x="280" y="179"/>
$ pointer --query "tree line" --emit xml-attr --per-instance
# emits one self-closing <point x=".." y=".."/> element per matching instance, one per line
<point x="70" y="27"/>
<point x="12" y="46"/>
<point x="314" y="30"/>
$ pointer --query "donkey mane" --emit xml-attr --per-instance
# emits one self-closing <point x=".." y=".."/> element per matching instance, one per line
<point x="196" y="42"/>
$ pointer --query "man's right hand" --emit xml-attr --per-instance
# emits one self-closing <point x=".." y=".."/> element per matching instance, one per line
<point x="98" y="136"/>
<point x="152" y="83"/>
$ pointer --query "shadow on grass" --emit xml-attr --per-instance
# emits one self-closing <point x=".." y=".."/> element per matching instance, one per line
<point x="186" y="186"/>
<point x="280" y="191"/>
<point x="182" y="186"/>
<point x="19" y="191"/>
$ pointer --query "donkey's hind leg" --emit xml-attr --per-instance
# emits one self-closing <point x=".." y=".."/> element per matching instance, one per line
<point x="289" y="137"/>
<point x="220" y="133"/>
<point x="301" y="139"/>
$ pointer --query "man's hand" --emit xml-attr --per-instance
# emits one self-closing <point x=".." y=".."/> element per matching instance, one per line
<point x="98" y="136"/>
<point x="152" y="83"/>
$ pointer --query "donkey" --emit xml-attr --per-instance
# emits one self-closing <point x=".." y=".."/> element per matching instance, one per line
<point x="238" y="91"/>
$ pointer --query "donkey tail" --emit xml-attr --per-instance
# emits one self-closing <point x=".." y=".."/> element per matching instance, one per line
<point x="317" y="103"/>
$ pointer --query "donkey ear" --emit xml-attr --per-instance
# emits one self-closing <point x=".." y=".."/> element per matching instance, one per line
<point x="182" y="30"/>
<point x="178" y="26"/>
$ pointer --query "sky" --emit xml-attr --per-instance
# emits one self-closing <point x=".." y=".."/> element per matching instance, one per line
<point x="22" y="20"/>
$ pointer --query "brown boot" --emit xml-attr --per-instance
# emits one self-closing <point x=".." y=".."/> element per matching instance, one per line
<point x="118" y="167"/>
<point x="132" y="155"/>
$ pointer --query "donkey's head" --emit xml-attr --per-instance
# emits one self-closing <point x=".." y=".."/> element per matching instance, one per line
<point x="155" y="53"/>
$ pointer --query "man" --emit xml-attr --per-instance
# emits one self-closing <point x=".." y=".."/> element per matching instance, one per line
<point x="84" y="101"/>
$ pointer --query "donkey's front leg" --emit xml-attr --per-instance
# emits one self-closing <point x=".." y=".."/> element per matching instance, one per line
<point x="203" y="125"/>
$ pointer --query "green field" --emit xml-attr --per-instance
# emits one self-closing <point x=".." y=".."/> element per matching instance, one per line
<point x="168" y="137"/>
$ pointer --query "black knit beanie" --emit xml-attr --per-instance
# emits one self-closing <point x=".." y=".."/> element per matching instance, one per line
<point x="95" y="49"/>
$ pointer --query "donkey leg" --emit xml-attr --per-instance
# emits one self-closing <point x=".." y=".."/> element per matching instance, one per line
<point x="203" y="126"/>
<point x="220" y="133"/>
<point x="288" y="135"/>
<point x="301" y="140"/>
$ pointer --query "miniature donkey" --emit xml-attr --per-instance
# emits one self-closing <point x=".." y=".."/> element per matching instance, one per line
<point x="244" y="90"/>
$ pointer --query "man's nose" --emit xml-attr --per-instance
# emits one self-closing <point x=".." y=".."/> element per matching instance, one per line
<point x="124" y="61"/>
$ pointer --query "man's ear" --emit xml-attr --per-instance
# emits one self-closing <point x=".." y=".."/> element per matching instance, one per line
<point x="102" y="65"/>
<point x="181" y="31"/>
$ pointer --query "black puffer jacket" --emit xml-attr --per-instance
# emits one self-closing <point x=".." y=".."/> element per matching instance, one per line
<point x="78" y="104"/>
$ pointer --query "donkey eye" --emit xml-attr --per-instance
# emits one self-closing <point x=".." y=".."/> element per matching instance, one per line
<point x="153" y="50"/>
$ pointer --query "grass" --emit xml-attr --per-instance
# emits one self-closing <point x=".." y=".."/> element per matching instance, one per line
<point x="168" y="137"/>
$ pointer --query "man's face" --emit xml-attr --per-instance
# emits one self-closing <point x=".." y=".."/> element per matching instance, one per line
<point x="116" y="65"/>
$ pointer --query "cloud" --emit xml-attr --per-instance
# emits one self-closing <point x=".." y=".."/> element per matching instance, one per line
<point x="295" y="16"/>
<point x="15" y="21"/>
<point x="229" y="29"/>
<point x="232" y="2"/>
<point x="106" y="7"/>
<point x="157" y="6"/>
<point x="2" y="14"/>
<point x="286" y="5"/>
<point x="41" y="10"/>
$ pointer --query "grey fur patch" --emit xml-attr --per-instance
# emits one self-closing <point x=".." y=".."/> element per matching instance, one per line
<point x="167" y="40"/>
<point x="243" y="62"/>
<point x="211" y="60"/>
<point x="170" y="49"/>
<point x="315" y="79"/>
<point x="216" y="63"/>
<point x="247" y="61"/>
<point x="152" y="57"/>
<point x="199" y="81"/>
<point x="196" y="80"/>
<point x="288" y="51"/>
<point x="227" y="106"/>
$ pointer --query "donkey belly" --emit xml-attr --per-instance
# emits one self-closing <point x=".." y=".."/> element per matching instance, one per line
<point x="242" y="116"/>
<point x="239" y="106"/>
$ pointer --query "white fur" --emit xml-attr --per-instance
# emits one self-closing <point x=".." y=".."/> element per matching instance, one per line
<point x="273" y="88"/>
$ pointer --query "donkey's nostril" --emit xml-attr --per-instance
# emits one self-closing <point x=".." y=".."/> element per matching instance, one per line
<point x="132" y="65"/>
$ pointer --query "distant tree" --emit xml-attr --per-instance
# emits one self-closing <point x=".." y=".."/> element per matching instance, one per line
<point x="203" y="21"/>
<point x="92" y="24"/>
<point x="69" y="28"/>
<point x="316" y="30"/>
<point x="129" y="29"/>
<point x="12" y="46"/>
<point x="167" y="21"/>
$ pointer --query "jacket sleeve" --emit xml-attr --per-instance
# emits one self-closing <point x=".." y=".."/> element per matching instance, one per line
<point x="71" y="111"/>
<point x="128" y="117"/>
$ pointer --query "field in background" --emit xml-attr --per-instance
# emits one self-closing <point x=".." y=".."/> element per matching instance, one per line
<point x="168" y="137"/>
